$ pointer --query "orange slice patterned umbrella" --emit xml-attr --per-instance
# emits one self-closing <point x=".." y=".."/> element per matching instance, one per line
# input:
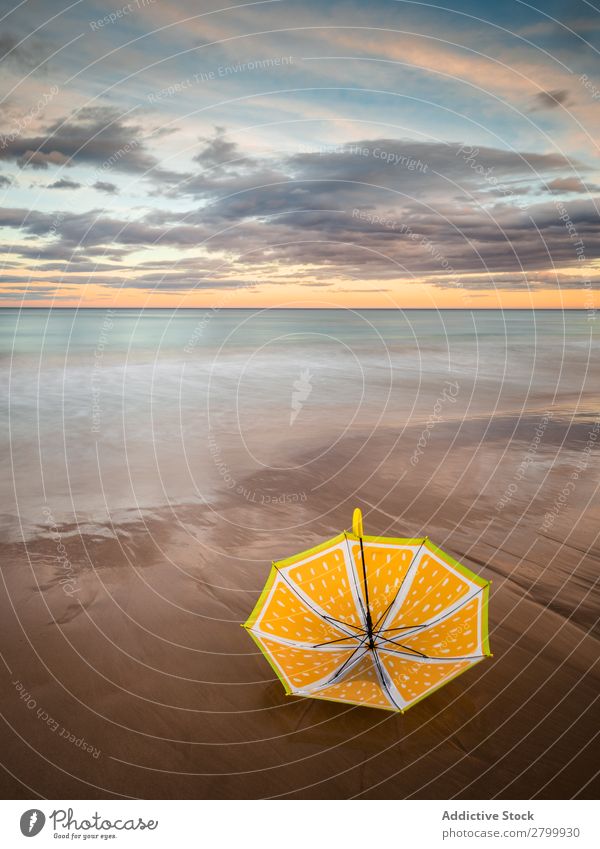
<point x="370" y="620"/>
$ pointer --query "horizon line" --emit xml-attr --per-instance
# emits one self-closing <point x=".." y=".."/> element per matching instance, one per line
<point x="331" y="309"/>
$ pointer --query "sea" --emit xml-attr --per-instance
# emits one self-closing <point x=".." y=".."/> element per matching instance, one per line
<point x="112" y="413"/>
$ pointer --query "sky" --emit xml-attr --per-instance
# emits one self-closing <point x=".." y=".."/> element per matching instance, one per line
<point x="286" y="153"/>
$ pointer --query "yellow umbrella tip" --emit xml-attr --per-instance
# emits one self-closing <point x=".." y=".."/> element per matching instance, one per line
<point x="357" y="522"/>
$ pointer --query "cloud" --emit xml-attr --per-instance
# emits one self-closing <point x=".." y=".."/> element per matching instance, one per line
<point x="18" y="290"/>
<point x="64" y="184"/>
<point x="37" y="159"/>
<point x="532" y="282"/>
<point x="185" y="283"/>
<point x="315" y="190"/>
<point x="5" y="181"/>
<point x="361" y="291"/>
<point x="377" y="162"/>
<point x="551" y="99"/>
<point x="29" y="220"/>
<point x="217" y="150"/>
<point x="97" y="136"/>
<point x="571" y="184"/>
<point x="377" y="209"/>
<point x="108" y="188"/>
<point x="23" y="54"/>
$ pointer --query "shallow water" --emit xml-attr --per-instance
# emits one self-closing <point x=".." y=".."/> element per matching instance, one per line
<point x="108" y="411"/>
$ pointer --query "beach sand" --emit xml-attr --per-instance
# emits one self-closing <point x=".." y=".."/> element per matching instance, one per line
<point x="138" y="654"/>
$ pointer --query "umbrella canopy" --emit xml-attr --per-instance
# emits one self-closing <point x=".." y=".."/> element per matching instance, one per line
<point x="373" y="621"/>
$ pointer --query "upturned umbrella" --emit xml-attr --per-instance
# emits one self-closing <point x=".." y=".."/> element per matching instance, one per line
<point x="371" y="621"/>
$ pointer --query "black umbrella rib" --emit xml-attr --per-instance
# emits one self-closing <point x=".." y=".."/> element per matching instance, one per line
<point x="345" y="663"/>
<point x="402" y="654"/>
<point x="368" y="607"/>
<point x="440" y="618"/>
<point x="431" y="657"/>
<point x="401" y="628"/>
<point x="351" y="566"/>
<point x="389" y="607"/>
<point x="383" y="681"/>
<point x="391" y="604"/>
<point x="407" y="648"/>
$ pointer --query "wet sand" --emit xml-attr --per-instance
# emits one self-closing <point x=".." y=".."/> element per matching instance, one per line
<point x="126" y="673"/>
